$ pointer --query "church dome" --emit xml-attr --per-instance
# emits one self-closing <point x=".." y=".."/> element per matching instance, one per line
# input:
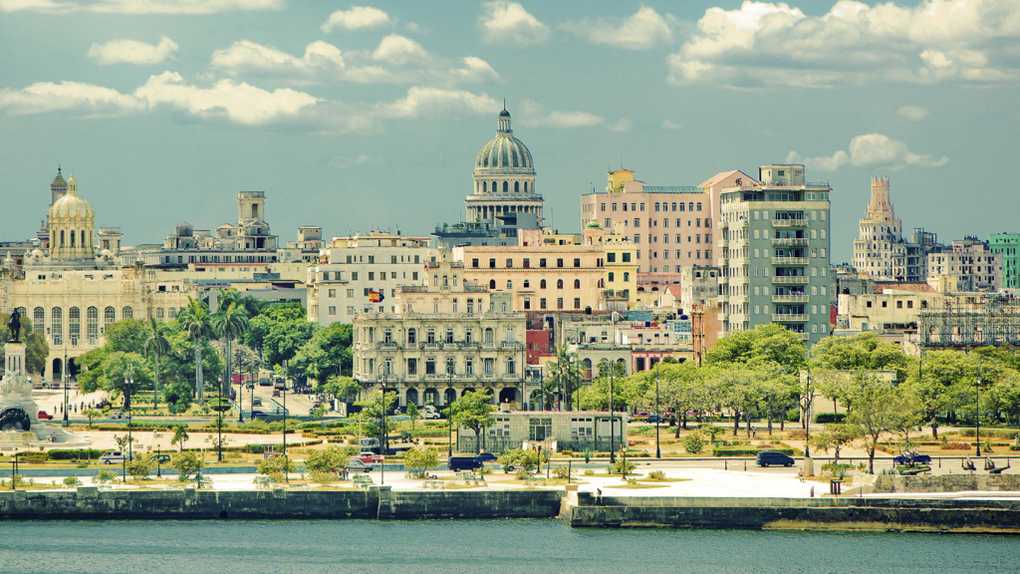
<point x="504" y="153"/>
<point x="71" y="205"/>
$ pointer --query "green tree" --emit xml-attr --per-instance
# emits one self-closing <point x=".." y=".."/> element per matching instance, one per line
<point x="276" y="467"/>
<point x="835" y="437"/>
<point x="565" y="372"/>
<point x="326" y="354"/>
<point x="765" y="343"/>
<point x="329" y="461"/>
<point x="180" y="437"/>
<point x="472" y="410"/>
<point x="189" y="465"/>
<point x="682" y="389"/>
<point x="278" y="331"/>
<point x="419" y="459"/>
<point x="230" y="324"/>
<point x="141" y="467"/>
<point x="156" y="345"/>
<point x="373" y="408"/>
<point x="119" y="373"/>
<point x="880" y="408"/>
<point x="127" y="336"/>
<point x="412" y="414"/>
<point x="865" y="351"/>
<point x="195" y="319"/>
<point x="694" y="442"/>
<point x="339" y="387"/>
<point x="37" y="347"/>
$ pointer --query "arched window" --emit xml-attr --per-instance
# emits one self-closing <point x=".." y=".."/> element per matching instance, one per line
<point x="488" y="335"/>
<point x="509" y="284"/>
<point x="525" y="187"/>
<point x="39" y="318"/>
<point x="517" y="187"/>
<point x="493" y="187"/>
<point x="74" y="324"/>
<point x="506" y="187"/>
<point x="62" y="238"/>
<point x="541" y="284"/>
<point x="577" y="283"/>
<point x="690" y="206"/>
<point x="127" y="313"/>
<point x="72" y="238"/>
<point x="92" y="325"/>
<point x="109" y="317"/>
<point x="559" y="284"/>
<point x="83" y="244"/>
<point x="57" y="325"/>
<point x="492" y="283"/>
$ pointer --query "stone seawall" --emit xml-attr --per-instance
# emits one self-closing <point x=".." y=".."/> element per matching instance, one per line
<point x="377" y="502"/>
<point x="837" y="513"/>
<point x="948" y="483"/>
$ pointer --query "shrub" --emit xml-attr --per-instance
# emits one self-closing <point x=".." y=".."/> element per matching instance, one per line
<point x="418" y="460"/>
<point x="73" y="454"/>
<point x="275" y="467"/>
<point x="622" y="467"/>
<point x="141" y="467"/>
<point x="105" y="476"/>
<point x="32" y="457"/>
<point x="830" y="418"/>
<point x="589" y="472"/>
<point x="656" y="475"/>
<point x="71" y="481"/>
<point x="694" y="442"/>
<point x="956" y="446"/>
<point x="561" y="472"/>
<point x="747" y="450"/>
<point x="522" y="461"/>
<point x="328" y="461"/>
<point x="188" y="465"/>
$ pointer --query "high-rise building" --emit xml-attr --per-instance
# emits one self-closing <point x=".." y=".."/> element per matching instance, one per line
<point x="775" y="256"/>
<point x="1008" y="246"/>
<point x="880" y="252"/>
<point x="968" y="264"/>
<point x="669" y="225"/>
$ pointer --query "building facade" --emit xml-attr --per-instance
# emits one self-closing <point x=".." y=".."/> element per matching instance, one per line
<point x="444" y="338"/>
<point x="1007" y="245"/>
<point x="361" y="273"/>
<point x="969" y="264"/>
<point x="776" y="266"/>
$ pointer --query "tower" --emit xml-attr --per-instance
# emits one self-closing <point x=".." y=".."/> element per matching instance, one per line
<point x="71" y="226"/>
<point x="879" y="251"/>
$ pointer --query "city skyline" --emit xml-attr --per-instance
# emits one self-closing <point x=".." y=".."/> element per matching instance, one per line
<point x="348" y="111"/>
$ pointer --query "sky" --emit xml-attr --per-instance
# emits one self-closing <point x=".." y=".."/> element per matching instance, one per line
<point x="359" y="116"/>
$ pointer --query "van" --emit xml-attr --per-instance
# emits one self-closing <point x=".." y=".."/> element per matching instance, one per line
<point x="774" y="458"/>
<point x="464" y="463"/>
<point x="112" y="457"/>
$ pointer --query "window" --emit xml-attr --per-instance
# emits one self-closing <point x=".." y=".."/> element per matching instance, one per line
<point x="577" y="262"/>
<point x="489" y="335"/>
<point x="511" y="366"/>
<point x="412" y="336"/>
<point x="559" y="262"/>
<point x="57" y="325"/>
<point x="559" y="284"/>
<point x="412" y="367"/>
<point x="430" y="366"/>
<point x="92" y="325"/>
<point x="451" y="366"/>
<point x="541" y="262"/>
<point x="577" y="302"/>
<point x="469" y="366"/>
<point x="127" y="313"/>
<point x="541" y="284"/>
<point x="449" y="335"/>
<point x="577" y="283"/>
<point x="430" y="336"/>
<point x="489" y="366"/>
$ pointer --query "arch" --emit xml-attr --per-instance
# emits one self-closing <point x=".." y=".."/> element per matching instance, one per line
<point x="411" y="397"/>
<point x="535" y="400"/>
<point x="62" y="243"/>
<point x="83" y="238"/>
<point x="488" y="336"/>
<point x="508" y="395"/>
<point x="586" y="371"/>
<point x="39" y="318"/>
<point x="57" y="371"/>
<point x="467" y="390"/>
<point x="74" y="324"/>
<point x="449" y="395"/>
<point x="92" y="324"/>
<point x="517" y="187"/>
<point x="525" y="187"/>
<point x="493" y="187"/>
<point x="491" y="394"/>
<point x="431" y="396"/>
<point x="492" y="283"/>
<point x="509" y="284"/>
<point x="57" y="325"/>
<point x="559" y="283"/>
<point x="127" y="313"/>
<point x="73" y="235"/>
<point x="541" y="284"/>
<point x="109" y="316"/>
<point x="577" y="283"/>
<point x="412" y="336"/>
<point x="506" y="186"/>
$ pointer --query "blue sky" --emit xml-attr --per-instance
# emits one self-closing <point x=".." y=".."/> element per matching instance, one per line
<point x="368" y="115"/>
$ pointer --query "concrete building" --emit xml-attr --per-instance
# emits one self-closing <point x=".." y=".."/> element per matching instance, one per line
<point x="775" y="266"/>
<point x="443" y="338"/>
<point x="1007" y="245"/>
<point x="552" y="430"/>
<point x="880" y="252"/>
<point x="969" y="264"/>
<point x="362" y="273"/>
<point x="305" y="249"/>
<point x="670" y="226"/>
<point x="699" y="285"/>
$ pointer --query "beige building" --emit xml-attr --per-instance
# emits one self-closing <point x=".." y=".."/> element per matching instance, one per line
<point x="552" y="430"/>
<point x="362" y="273"/>
<point x="444" y="338"/>
<point x="967" y="265"/>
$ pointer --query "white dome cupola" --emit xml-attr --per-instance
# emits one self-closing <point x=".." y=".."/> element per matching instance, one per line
<point x="72" y="225"/>
<point x="503" y="177"/>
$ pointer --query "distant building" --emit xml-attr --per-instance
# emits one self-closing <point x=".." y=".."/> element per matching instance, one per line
<point x="775" y="266"/>
<point x="969" y="264"/>
<point x="880" y="253"/>
<point x="1007" y="245"/>
<point x="551" y="430"/>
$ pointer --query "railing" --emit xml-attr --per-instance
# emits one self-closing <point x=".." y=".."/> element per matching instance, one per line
<point x="789" y="318"/>
<point x="790" y="260"/>
<point x="790" y="298"/>
<point x="789" y="222"/>
<point x="790" y="279"/>
<point x="790" y="241"/>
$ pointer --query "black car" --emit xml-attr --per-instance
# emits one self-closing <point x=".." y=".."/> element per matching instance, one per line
<point x="464" y="463"/>
<point x="486" y="457"/>
<point x="910" y="458"/>
<point x="774" y="458"/>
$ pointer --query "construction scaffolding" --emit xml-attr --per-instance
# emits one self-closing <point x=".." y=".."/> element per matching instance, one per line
<point x="966" y="321"/>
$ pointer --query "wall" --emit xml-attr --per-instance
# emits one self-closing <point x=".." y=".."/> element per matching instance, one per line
<point x="947" y="483"/>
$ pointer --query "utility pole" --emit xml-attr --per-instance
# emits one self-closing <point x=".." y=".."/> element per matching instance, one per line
<point x="658" y="418"/>
<point x="612" y="437"/>
<point x="977" y="416"/>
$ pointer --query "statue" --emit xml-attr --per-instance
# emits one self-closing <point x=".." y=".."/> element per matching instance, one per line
<point x="14" y="325"/>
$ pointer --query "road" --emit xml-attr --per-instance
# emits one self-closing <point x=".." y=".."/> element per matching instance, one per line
<point x="297" y="404"/>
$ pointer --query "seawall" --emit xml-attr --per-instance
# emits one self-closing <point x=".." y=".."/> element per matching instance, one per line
<point x="948" y="483"/>
<point x="814" y="513"/>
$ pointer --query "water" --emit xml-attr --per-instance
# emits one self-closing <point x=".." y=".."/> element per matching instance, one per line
<point x="452" y="547"/>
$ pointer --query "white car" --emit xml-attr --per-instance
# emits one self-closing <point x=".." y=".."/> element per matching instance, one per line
<point x="112" y="457"/>
<point x="429" y="413"/>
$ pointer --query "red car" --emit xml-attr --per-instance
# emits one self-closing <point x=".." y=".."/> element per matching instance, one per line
<point x="44" y="416"/>
<point x="369" y="457"/>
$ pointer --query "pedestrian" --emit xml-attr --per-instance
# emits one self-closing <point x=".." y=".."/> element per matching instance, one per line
<point x="598" y="497"/>
<point x="812" y="491"/>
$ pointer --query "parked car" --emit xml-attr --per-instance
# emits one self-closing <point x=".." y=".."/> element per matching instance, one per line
<point x="44" y="416"/>
<point x="257" y="402"/>
<point x="486" y="457"/>
<point x="464" y="463"/>
<point x="112" y="457"/>
<point x="161" y="458"/>
<point x="654" y="419"/>
<point x="118" y="415"/>
<point x="774" y="458"/>
<point x="357" y="465"/>
<point x="265" y="382"/>
<point x="257" y="414"/>
<point x="430" y="412"/>
<point x="912" y="458"/>
<point x="369" y="457"/>
<point x="276" y="392"/>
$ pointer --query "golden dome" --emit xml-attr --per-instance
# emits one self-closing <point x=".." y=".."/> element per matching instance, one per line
<point x="71" y="205"/>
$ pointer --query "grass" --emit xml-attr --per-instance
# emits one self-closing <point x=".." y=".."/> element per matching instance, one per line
<point x="636" y="485"/>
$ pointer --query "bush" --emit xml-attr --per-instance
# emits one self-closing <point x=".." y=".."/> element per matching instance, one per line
<point x="73" y="454"/>
<point x="32" y="457"/>
<point x="71" y="481"/>
<point x="418" y="460"/>
<point x="561" y="472"/>
<point x="141" y="467"/>
<point x="747" y="450"/>
<point x="622" y="467"/>
<point x="327" y="461"/>
<point x="694" y="442"/>
<point x="275" y="467"/>
<point x="188" y="465"/>
<point x="991" y="432"/>
<point x="830" y="418"/>
<point x="520" y="460"/>
<point x="955" y="446"/>
<point x="656" y="475"/>
<point x="105" y="476"/>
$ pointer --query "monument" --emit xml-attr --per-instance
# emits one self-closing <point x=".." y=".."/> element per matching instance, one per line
<point x="20" y="426"/>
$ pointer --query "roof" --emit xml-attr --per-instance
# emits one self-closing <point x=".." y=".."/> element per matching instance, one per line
<point x="722" y="175"/>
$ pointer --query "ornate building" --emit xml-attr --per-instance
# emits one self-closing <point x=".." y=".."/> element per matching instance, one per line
<point x="880" y="252"/>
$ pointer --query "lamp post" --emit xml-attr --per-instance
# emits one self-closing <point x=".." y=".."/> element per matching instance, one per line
<point x="64" y="376"/>
<point x="240" y="387"/>
<point x="658" y="418"/>
<point x="977" y="417"/>
<point x="612" y="423"/>
<point x="129" y="382"/>
<point x="449" y="421"/>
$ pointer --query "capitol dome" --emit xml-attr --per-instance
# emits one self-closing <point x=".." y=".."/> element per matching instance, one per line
<point x="72" y="225"/>
<point x="71" y="205"/>
<point x="503" y="178"/>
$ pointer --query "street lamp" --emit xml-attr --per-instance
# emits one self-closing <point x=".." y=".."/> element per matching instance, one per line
<point x="240" y="387"/>
<point x="64" y="376"/>
<point x="977" y="417"/>
<point x="612" y="436"/>
<point x="658" y="417"/>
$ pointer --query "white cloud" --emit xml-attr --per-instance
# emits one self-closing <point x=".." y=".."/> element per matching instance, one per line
<point x="139" y="7"/>
<point x="668" y="124"/>
<point x="45" y="97"/>
<point x="474" y="70"/>
<point x="125" y="51"/>
<point x="621" y="125"/>
<point x="397" y="49"/>
<point x="870" y="150"/>
<point x="533" y="115"/>
<point x="347" y="162"/>
<point x="642" y="30"/>
<point x="912" y="113"/>
<point x="504" y="21"/>
<point x="764" y="43"/>
<point x="241" y="102"/>
<point x="422" y="100"/>
<point x="248" y="56"/>
<point x="356" y="18"/>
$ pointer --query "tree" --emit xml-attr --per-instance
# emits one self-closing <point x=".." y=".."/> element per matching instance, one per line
<point x="180" y="437"/>
<point x="37" y="347"/>
<point x="141" y="467"/>
<point x="195" y="319"/>
<point x="326" y="354"/>
<point x="765" y="343"/>
<point x="419" y="459"/>
<point x="472" y="410"/>
<point x="682" y="389"/>
<point x="373" y="408"/>
<point x="122" y="374"/>
<point x="339" y="387"/>
<point x="230" y="324"/>
<point x="880" y="408"/>
<point x="188" y="465"/>
<point x="276" y="467"/>
<point x="278" y="331"/>
<point x="127" y="336"/>
<point x="156" y="344"/>
<point x="329" y="461"/>
<point x="412" y="413"/>
<point x="835" y="437"/>
<point x="566" y="373"/>
<point x="865" y="351"/>
<point x="694" y="442"/>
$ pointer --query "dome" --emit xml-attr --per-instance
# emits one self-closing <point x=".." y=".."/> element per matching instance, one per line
<point x="504" y="153"/>
<point x="71" y="205"/>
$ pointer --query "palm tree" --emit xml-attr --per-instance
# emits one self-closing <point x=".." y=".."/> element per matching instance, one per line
<point x="156" y="344"/>
<point x="195" y="319"/>
<point x="180" y="437"/>
<point x="230" y="324"/>
<point x="566" y="371"/>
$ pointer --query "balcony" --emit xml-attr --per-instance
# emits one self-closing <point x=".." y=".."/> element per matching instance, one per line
<point x="790" y="279"/>
<point x="790" y="260"/>
<point x="790" y="241"/>
<point x="790" y="222"/>
<point x="789" y="318"/>
<point x="789" y="298"/>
